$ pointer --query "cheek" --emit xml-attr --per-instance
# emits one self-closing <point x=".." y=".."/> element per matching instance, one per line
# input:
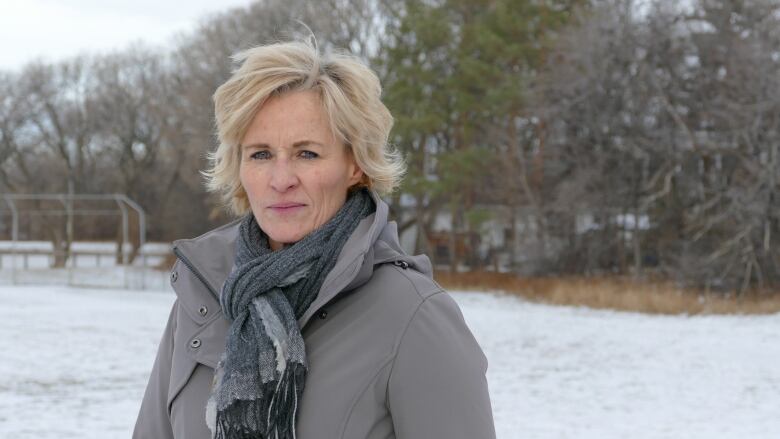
<point x="242" y="178"/>
<point x="330" y="185"/>
<point x="326" y="193"/>
<point x="250" y="182"/>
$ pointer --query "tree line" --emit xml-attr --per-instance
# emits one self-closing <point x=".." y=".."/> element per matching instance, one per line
<point x="626" y="137"/>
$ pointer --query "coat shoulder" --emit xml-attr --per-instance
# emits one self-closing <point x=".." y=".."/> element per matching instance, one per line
<point x="387" y="301"/>
<point x="402" y="283"/>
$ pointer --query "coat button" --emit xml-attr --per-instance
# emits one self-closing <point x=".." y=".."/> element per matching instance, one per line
<point x="174" y="276"/>
<point x="203" y="310"/>
<point x="195" y="343"/>
<point x="402" y="264"/>
<point x="323" y="314"/>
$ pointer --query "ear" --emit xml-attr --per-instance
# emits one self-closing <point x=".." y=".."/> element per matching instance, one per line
<point x="355" y="173"/>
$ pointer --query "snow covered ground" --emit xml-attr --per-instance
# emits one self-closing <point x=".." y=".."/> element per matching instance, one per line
<point x="75" y="363"/>
<point x="28" y="259"/>
<point x="92" y="265"/>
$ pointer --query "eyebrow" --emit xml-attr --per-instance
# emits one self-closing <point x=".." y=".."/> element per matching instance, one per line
<point x="298" y="144"/>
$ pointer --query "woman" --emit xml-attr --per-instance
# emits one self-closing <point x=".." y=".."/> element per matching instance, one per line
<point x="305" y="318"/>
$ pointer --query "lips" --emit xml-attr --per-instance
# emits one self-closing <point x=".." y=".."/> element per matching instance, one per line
<point x="286" y="207"/>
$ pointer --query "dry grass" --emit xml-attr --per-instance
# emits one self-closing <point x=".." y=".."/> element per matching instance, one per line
<point x="654" y="297"/>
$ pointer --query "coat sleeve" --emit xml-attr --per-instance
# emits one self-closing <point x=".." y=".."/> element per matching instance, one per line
<point x="153" y="419"/>
<point x="437" y="387"/>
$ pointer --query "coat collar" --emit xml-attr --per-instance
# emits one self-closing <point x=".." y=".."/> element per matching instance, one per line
<point x="374" y="241"/>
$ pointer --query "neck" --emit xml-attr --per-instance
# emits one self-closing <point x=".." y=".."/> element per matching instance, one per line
<point x="275" y="246"/>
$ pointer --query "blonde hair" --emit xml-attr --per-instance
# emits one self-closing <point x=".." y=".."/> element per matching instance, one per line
<point x="350" y="95"/>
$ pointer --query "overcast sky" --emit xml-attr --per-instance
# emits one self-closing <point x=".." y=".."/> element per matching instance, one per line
<point x="56" y="29"/>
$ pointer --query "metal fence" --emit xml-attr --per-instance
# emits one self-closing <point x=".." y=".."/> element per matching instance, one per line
<point x="31" y="259"/>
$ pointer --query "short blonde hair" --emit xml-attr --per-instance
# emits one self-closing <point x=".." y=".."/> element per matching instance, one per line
<point x="350" y="95"/>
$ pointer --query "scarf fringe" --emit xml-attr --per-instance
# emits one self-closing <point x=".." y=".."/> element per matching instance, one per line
<point x="253" y="419"/>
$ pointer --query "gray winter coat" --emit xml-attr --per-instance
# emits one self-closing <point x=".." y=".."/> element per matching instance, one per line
<point x="389" y="353"/>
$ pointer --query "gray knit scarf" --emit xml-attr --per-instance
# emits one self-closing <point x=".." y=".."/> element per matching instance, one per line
<point x="259" y="381"/>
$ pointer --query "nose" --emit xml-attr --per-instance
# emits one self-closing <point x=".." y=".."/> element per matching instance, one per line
<point x="283" y="177"/>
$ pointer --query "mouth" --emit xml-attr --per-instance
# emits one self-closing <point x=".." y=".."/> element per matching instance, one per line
<point x="285" y="207"/>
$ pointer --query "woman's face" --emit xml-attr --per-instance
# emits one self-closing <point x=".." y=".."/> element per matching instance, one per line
<point x="295" y="172"/>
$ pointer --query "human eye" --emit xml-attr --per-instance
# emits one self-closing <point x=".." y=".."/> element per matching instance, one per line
<point x="308" y="155"/>
<point x="262" y="154"/>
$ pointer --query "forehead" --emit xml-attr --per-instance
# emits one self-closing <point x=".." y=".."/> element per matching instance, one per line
<point x="287" y="117"/>
<point x="307" y="101"/>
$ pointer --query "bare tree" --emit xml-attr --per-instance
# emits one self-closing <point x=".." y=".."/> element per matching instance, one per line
<point x="56" y="100"/>
<point x="129" y="102"/>
<point x="670" y="115"/>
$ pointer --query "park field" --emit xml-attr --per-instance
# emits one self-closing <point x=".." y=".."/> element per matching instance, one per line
<point x="76" y="361"/>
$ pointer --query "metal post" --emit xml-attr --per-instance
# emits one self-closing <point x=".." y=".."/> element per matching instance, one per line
<point x="141" y="233"/>
<point x="68" y="238"/>
<point x="14" y="236"/>
<point x="125" y="237"/>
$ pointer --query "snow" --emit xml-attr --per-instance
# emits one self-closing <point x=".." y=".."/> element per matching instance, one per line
<point x="94" y="246"/>
<point x="90" y="277"/>
<point x="33" y="255"/>
<point x="76" y="362"/>
<point x="78" y="359"/>
<point x="92" y="264"/>
<point x="560" y="372"/>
